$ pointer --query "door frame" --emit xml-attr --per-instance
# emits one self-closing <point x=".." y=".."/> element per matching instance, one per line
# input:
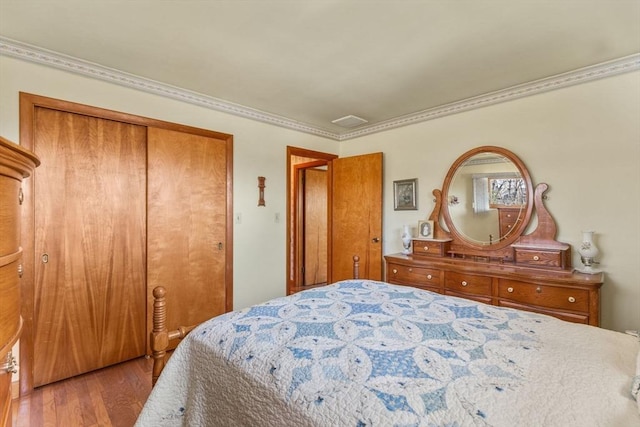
<point x="28" y="104"/>
<point x="299" y="158"/>
<point x="299" y="219"/>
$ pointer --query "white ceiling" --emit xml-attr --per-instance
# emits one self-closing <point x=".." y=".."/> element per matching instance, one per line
<point x="314" y="61"/>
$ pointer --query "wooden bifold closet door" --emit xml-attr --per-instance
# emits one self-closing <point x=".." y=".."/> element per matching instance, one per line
<point x="89" y="305"/>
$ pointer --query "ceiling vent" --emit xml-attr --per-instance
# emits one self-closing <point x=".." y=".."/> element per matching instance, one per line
<point x="349" y="121"/>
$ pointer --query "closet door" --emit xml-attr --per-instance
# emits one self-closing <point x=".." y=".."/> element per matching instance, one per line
<point x="89" y="293"/>
<point x="187" y="225"/>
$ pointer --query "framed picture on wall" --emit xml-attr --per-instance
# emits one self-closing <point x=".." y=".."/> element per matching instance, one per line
<point x="405" y="195"/>
<point x="425" y="229"/>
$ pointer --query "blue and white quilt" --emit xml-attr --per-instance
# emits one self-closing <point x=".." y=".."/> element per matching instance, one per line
<point x="366" y="353"/>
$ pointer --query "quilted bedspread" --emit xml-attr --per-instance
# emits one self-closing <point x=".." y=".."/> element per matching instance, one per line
<point x="366" y="353"/>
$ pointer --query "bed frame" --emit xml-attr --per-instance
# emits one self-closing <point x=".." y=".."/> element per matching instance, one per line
<point x="161" y="336"/>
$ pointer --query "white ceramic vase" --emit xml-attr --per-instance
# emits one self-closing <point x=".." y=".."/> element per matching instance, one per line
<point x="406" y="239"/>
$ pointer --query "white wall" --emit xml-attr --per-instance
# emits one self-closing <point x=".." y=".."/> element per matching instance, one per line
<point x="259" y="150"/>
<point x="584" y="141"/>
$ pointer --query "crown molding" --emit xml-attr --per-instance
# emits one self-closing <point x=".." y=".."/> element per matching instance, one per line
<point x="582" y="75"/>
<point x="39" y="55"/>
<point x="53" y="59"/>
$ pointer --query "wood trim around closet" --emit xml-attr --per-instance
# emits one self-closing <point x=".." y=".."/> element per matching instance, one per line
<point x="28" y="105"/>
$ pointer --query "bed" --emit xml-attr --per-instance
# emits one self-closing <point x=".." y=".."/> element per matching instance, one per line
<point x="368" y="353"/>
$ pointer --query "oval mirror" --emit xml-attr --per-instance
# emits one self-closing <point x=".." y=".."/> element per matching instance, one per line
<point x="487" y="197"/>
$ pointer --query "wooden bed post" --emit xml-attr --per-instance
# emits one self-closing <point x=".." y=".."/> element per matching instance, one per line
<point x="356" y="267"/>
<point x="160" y="335"/>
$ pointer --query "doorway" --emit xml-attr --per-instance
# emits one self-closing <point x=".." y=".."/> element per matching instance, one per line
<point x="307" y="218"/>
<point x="334" y="213"/>
<point x="312" y="220"/>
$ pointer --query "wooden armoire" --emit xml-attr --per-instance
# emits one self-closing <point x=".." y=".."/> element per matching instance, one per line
<point x="122" y="204"/>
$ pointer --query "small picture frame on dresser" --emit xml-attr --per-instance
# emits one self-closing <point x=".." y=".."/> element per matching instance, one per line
<point x="425" y="229"/>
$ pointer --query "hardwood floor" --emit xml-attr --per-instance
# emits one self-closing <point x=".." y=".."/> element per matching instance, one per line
<point x="112" y="396"/>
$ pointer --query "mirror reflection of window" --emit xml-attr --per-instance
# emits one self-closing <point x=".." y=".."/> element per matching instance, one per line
<point x="506" y="192"/>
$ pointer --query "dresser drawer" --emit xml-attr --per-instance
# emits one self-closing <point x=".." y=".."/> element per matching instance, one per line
<point x="539" y="258"/>
<point x="468" y="283"/>
<point x="569" y="317"/>
<point x="508" y="219"/>
<point x="544" y="295"/>
<point x="509" y="216"/>
<point x="9" y="301"/>
<point x="479" y="298"/>
<point x="9" y="215"/>
<point x="413" y="275"/>
<point x="430" y="247"/>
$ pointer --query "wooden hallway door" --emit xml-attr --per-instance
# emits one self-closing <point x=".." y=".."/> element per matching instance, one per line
<point x="90" y="248"/>
<point x="356" y="216"/>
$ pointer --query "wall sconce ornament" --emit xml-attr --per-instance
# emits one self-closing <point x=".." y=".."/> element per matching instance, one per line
<point x="588" y="252"/>
<point x="261" y="180"/>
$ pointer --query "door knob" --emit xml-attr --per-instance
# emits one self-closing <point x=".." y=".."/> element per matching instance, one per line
<point x="375" y="239"/>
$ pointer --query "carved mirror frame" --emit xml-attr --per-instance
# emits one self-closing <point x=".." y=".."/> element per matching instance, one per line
<point x="461" y="245"/>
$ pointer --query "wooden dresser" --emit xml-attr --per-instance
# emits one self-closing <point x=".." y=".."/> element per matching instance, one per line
<point x="567" y="295"/>
<point x="16" y="164"/>
<point x="529" y="271"/>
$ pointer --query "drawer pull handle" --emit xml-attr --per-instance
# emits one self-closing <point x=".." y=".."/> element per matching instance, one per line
<point x="20" y="271"/>
<point x="411" y="270"/>
<point x="426" y="248"/>
<point x="536" y="258"/>
<point x="429" y="276"/>
<point x="539" y="290"/>
<point x="9" y="366"/>
<point x="395" y="271"/>
<point x="572" y="299"/>
<point x="464" y="283"/>
<point x="509" y="289"/>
